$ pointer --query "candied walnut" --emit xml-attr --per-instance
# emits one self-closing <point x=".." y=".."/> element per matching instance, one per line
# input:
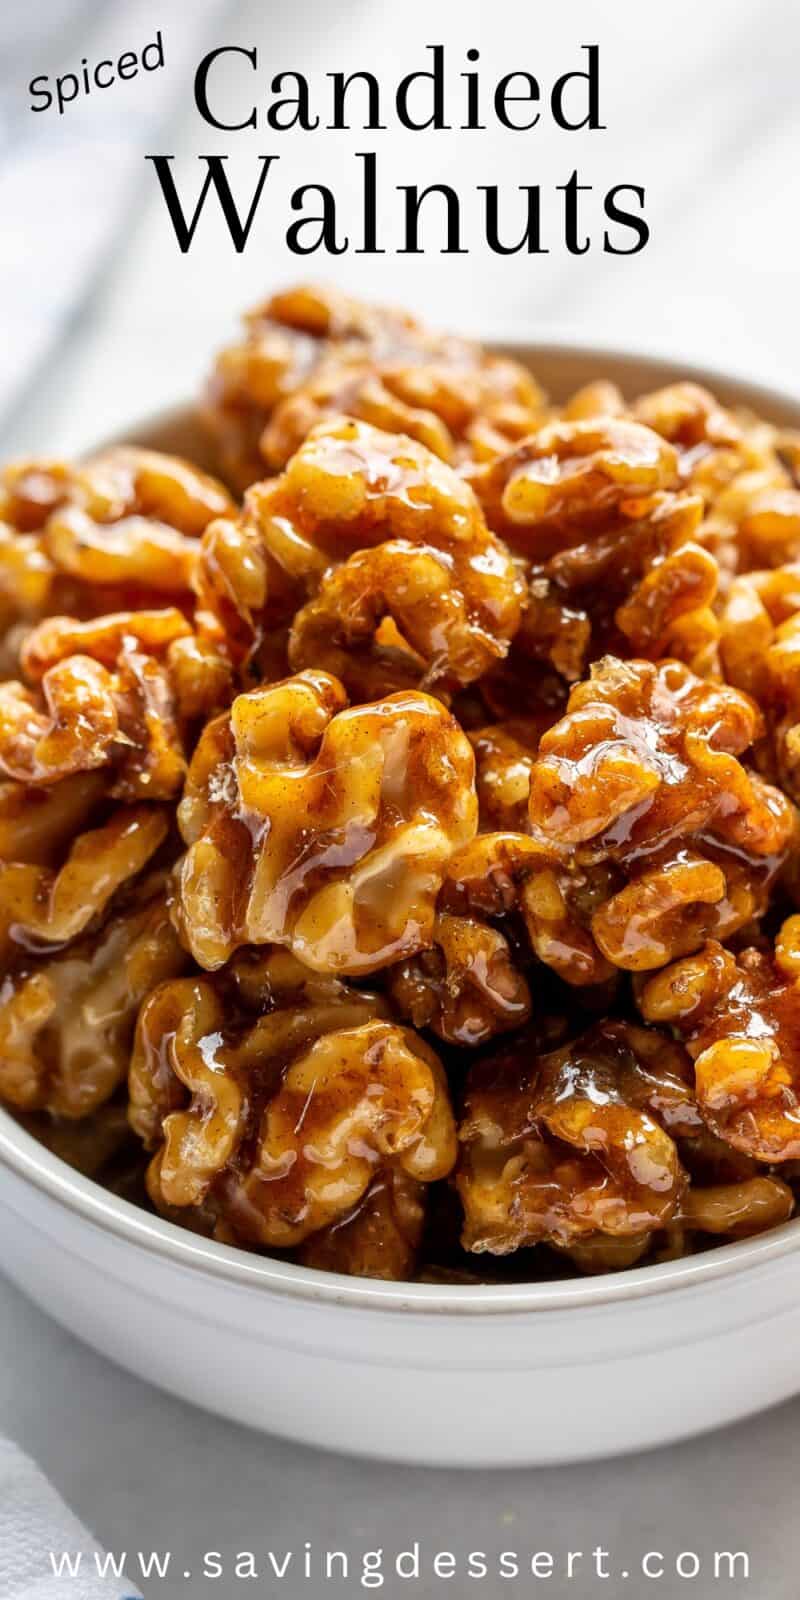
<point x="30" y="490"/>
<point x="176" y="1039"/>
<point x="71" y="727"/>
<point x="572" y="478"/>
<point x="322" y="828"/>
<point x="645" y="588"/>
<point x="282" y="1126"/>
<point x="200" y="672"/>
<point x="504" y="756"/>
<point x="563" y="1147"/>
<point x="41" y="906"/>
<point x="131" y="482"/>
<point x="36" y="825"/>
<point x="466" y="987"/>
<point x="66" y="1022"/>
<point x="738" y="1210"/>
<point x="613" y="561"/>
<point x="671" y="905"/>
<point x="309" y="353"/>
<point x="645" y="753"/>
<point x="642" y="779"/>
<point x="120" y="528"/>
<point x="754" y="521"/>
<point x="379" y="538"/>
<point x="559" y="904"/>
<point x="387" y="619"/>
<point x="768" y="529"/>
<point x="714" y="444"/>
<point x="285" y="343"/>
<point x="688" y="416"/>
<point x="133" y="520"/>
<point x="740" y="1017"/>
<point x="760" y="651"/>
<point x="26" y="582"/>
<point x="103" y="638"/>
<point x="597" y="399"/>
<point x="133" y="551"/>
<point x="607" y="1252"/>
<point x="456" y="400"/>
<point x="103" y="696"/>
<point x="240" y="590"/>
<point x="167" y="668"/>
<point x="502" y="874"/>
<point x="646" y="833"/>
<point x="380" y="1238"/>
<point x="357" y="1099"/>
<point x="740" y="465"/>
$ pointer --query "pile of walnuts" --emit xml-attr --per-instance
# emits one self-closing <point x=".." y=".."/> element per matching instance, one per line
<point x="398" y="847"/>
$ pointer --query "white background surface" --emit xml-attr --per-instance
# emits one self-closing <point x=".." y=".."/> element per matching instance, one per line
<point x="104" y="319"/>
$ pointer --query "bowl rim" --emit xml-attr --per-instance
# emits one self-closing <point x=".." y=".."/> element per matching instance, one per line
<point x="33" y="1163"/>
<point x="22" y="1154"/>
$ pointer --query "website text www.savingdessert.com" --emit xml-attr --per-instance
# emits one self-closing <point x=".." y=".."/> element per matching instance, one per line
<point x="372" y="1568"/>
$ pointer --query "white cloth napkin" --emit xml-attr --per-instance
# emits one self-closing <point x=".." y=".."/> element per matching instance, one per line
<point x="35" y="1522"/>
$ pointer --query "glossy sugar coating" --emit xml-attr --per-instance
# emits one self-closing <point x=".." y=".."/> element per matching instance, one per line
<point x="84" y="934"/>
<point x="99" y="696"/>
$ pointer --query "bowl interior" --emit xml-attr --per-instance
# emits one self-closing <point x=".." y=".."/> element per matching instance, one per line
<point x="561" y="369"/>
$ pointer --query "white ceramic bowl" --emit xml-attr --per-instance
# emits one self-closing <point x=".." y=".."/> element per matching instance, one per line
<point x="464" y="1376"/>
